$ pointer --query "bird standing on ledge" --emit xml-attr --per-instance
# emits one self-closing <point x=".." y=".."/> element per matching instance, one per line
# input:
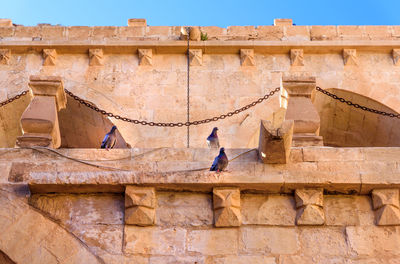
<point x="220" y="162"/>
<point x="212" y="139"/>
<point x="110" y="139"/>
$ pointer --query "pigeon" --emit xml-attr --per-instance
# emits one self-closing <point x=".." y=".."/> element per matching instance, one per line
<point x="110" y="139"/>
<point x="220" y="162"/>
<point x="212" y="140"/>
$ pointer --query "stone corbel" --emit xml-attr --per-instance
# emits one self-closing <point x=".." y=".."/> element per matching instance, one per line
<point x="96" y="57"/>
<point x="145" y="57"/>
<point x="386" y="206"/>
<point x="49" y="57"/>
<point x="396" y="57"/>
<point x="301" y="110"/>
<point x="226" y="203"/>
<point x="195" y="57"/>
<point x="309" y="205"/>
<point x="247" y="57"/>
<point x="5" y="55"/>
<point x="350" y="57"/>
<point x="297" y="57"/>
<point x="140" y="204"/>
<point x="40" y="119"/>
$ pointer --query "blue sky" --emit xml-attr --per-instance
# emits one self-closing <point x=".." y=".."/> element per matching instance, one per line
<point x="202" y="13"/>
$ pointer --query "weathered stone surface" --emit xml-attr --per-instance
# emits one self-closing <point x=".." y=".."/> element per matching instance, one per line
<point x="153" y="240"/>
<point x="241" y="260"/>
<point x="268" y="210"/>
<point x="247" y="57"/>
<point x="140" y="203"/>
<point x="297" y="57"/>
<point x="331" y="241"/>
<point x="145" y="57"/>
<point x="96" y="57"/>
<point x="386" y="206"/>
<point x="262" y="240"/>
<point x="214" y="241"/>
<point x="196" y="57"/>
<point x="5" y="56"/>
<point x="350" y="57"/>
<point x="226" y="203"/>
<point x="283" y="22"/>
<point x="137" y="22"/>
<point x="396" y="56"/>
<point x="49" y="57"/>
<point x="5" y="22"/>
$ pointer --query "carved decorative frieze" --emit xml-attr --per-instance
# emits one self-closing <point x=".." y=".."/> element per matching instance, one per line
<point x="350" y="57"/>
<point x="5" y="55"/>
<point x="297" y="57"/>
<point x="140" y="204"/>
<point x="386" y="206"/>
<point x="195" y="57"/>
<point x="396" y="57"/>
<point x="96" y="57"/>
<point x="49" y="57"/>
<point x="226" y="207"/>
<point x="309" y="205"/>
<point x="145" y="57"/>
<point x="247" y="57"/>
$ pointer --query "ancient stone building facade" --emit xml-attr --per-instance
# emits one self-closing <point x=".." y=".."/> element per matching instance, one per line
<point x="312" y="179"/>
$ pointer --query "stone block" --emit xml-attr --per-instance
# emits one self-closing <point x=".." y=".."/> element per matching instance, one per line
<point x="241" y="260"/>
<point x="49" y="57"/>
<point x="79" y="33"/>
<point x="378" y="32"/>
<point x="215" y="241"/>
<point x="247" y="57"/>
<point x="263" y="240"/>
<point x="351" y="32"/>
<point x="297" y="57"/>
<point x="386" y="206"/>
<point x="247" y="31"/>
<point x="4" y="22"/>
<point x="309" y="204"/>
<point x="350" y="57"/>
<point x="283" y="22"/>
<point x="27" y="32"/>
<point x="102" y="33"/>
<point x="140" y="203"/>
<point x="298" y="33"/>
<point x="53" y="32"/>
<point x="145" y="57"/>
<point x="6" y="32"/>
<point x="342" y="210"/>
<point x="195" y="57"/>
<point x="324" y="33"/>
<point x="270" y="32"/>
<point x="137" y="22"/>
<point x="96" y="57"/>
<point x="5" y="56"/>
<point x="195" y="34"/>
<point x="226" y="203"/>
<point x="324" y="241"/>
<point x="154" y="241"/>
<point x="396" y="56"/>
<point x="127" y="33"/>
<point x="213" y="32"/>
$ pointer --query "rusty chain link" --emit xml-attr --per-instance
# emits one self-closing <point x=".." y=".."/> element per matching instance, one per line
<point x="14" y="98"/>
<point x="179" y="124"/>
<point x="349" y="103"/>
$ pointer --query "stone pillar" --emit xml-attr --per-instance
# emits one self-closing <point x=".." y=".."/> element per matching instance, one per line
<point x="301" y="110"/>
<point x="226" y="202"/>
<point x="40" y="120"/>
<point x="309" y="205"/>
<point x="386" y="206"/>
<point x="140" y="204"/>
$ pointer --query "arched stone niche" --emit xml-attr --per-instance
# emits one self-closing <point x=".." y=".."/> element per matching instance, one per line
<point x="346" y="126"/>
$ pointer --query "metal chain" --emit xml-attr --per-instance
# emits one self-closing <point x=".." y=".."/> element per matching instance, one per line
<point x="179" y="124"/>
<point x="349" y="103"/>
<point x="14" y="98"/>
<point x="188" y="90"/>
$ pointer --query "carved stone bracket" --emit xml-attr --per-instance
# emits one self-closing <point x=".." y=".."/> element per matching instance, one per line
<point x="195" y="57"/>
<point x="386" y="206"/>
<point x="49" y="57"/>
<point x="140" y="204"/>
<point x="297" y="57"/>
<point x="301" y="110"/>
<point x="396" y="57"/>
<point x="40" y="119"/>
<point x="96" y="57"/>
<point x="309" y="205"/>
<point x="226" y="207"/>
<point x="5" y="55"/>
<point x="145" y="57"/>
<point x="350" y="57"/>
<point x="275" y="143"/>
<point x="247" y="57"/>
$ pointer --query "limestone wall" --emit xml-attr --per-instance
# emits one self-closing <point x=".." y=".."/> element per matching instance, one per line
<point x="220" y="84"/>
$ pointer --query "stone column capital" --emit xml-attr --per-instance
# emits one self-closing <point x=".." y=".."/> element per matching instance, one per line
<point x="299" y="85"/>
<point x="49" y="86"/>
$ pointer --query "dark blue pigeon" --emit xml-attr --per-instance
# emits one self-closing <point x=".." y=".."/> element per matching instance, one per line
<point x="110" y="139"/>
<point x="220" y="162"/>
<point x="212" y="140"/>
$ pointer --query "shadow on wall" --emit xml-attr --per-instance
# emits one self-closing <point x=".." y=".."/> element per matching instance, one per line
<point x="4" y="259"/>
<point x="346" y="126"/>
<point x="82" y="127"/>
